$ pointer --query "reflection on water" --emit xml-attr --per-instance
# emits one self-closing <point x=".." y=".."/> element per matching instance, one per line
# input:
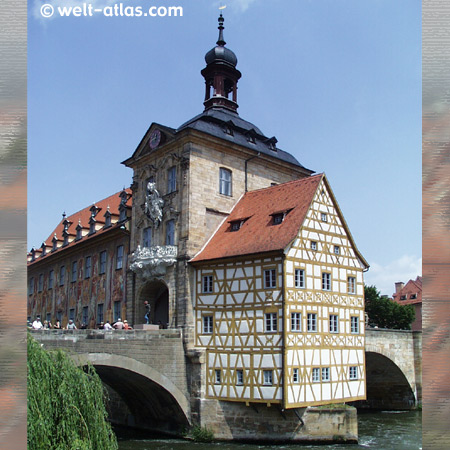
<point x="390" y="430"/>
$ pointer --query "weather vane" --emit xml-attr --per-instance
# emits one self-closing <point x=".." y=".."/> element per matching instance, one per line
<point x="222" y="6"/>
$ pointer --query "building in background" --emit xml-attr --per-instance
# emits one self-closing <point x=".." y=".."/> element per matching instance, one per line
<point x="410" y="294"/>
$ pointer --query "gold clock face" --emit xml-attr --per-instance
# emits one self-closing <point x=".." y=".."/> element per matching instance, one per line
<point x="155" y="139"/>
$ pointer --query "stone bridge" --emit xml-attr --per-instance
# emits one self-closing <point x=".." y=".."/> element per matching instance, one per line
<point x="149" y="373"/>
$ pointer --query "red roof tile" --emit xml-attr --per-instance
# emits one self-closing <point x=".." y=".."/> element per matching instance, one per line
<point x="411" y="288"/>
<point x="256" y="209"/>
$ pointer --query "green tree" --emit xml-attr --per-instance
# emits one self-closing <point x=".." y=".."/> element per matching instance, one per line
<point x="66" y="408"/>
<point x="385" y="313"/>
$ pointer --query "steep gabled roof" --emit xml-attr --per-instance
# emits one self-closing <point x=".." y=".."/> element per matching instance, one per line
<point x="413" y="288"/>
<point x="255" y="211"/>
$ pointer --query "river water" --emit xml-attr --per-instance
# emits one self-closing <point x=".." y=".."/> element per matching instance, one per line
<point x="390" y="430"/>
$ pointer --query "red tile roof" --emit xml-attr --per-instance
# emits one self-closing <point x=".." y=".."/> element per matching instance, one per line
<point x="256" y="209"/>
<point x="411" y="288"/>
<point x="83" y="217"/>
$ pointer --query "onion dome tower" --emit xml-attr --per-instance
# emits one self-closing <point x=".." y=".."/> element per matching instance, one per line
<point x="221" y="75"/>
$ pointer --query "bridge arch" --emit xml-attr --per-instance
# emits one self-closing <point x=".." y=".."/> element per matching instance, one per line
<point x="154" y="401"/>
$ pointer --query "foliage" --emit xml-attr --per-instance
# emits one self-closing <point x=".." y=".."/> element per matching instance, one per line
<point x="65" y="404"/>
<point x="200" y="434"/>
<point x="385" y="313"/>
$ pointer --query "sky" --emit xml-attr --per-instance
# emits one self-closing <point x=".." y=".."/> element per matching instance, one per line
<point x="338" y="82"/>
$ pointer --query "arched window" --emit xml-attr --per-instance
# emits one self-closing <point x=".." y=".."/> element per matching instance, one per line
<point x="225" y="178"/>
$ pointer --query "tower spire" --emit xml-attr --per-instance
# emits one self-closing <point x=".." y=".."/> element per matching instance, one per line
<point x="221" y="42"/>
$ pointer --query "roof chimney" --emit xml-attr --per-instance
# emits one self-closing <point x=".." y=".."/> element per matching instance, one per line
<point x="399" y="286"/>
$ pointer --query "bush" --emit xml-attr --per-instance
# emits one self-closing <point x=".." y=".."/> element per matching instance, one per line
<point x="66" y="408"/>
<point x="201" y="434"/>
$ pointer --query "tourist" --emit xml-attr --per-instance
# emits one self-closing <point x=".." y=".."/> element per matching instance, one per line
<point x="83" y="326"/>
<point x="71" y="325"/>
<point x="57" y="325"/>
<point x="101" y="326"/>
<point x="37" y="324"/>
<point x="119" y="325"/>
<point x="46" y="325"/>
<point x="126" y="326"/>
<point x="107" y="326"/>
<point x="147" y="312"/>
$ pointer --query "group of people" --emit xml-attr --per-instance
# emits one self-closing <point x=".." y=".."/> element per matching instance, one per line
<point x="47" y="325"/>
<point x="38" y="325"/>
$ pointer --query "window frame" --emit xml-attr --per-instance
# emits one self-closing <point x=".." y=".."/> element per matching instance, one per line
<point x="325" y="374"/>
<point x="271" y="281"/>
<point x="354" y="325"/>
<point x="171" y="179"/>
<point x="207" y="284"/>
<point x="119" y="257"/>
<point x="351" y="285"/>
<point x="170" y="232"/>
<point x="74" y="273"/>
<point x="326" y="281"/>
<point x="217" y="376"/>
<point x="337" y="250"/>
<point x="295" y="375"/>
<point x="100" y="313"/>
<point x="333" y="323"/>
<point x="299" y="278"/>
<point x="117" y="309"/>
<point x="101" y="263"/>
<point x="225" y="182"/>
<point x="147" y="237"/>
<point x="31" y="286"/>
<point x="315" y="375"/>
<point x="314" y="245"/>
<point x="296" y="322"/>
<point x="311" y="322"/>
<point x="208" y="324"/>
<point x="268" y="377"/>
<point x="41" y="282"/>
<point x="87" y="267"/>
<point x="353" y="373"/>
<point x="324" y="217"/>
<point x="271" y="322"/>
<point x="62" y="275"/>
<point x="51" y="279"/>
<point x="85" y="315"/>
<point x="239" y="377"/>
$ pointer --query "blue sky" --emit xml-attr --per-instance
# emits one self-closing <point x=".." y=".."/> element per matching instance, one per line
<point x="338" y="82"/>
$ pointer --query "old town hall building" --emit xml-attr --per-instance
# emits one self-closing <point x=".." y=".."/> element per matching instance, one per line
<point x="229" y="238"/>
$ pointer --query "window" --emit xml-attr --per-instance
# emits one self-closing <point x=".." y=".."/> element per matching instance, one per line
<point x="72" y="314"/>
<point x="353" y="373"/>
<point x="218" y="376"/>
<point x="208" y="324"/>
<point x="296" y="321"/>
<point x="403" y="297"/>
<point x="74" y="271"/>
<point x="324" y="217"/>
<point x="325" y="374"/>
<point x="51" y="279"/>
<point x="239" y="377"/>
<point x="85" y="315"/>
<point x="41" y="282"/>
<point x="102" y="262"/>
<point x="354" y="324"/>
<point x="100" y="312"/>
<point x="270" y="279"/>
<point x="326" y="281"/>
<point x="147" y="237"/>
<point x="62" y="275"/>
<point x="271" y="322"/>
<point x="172" y="180"/>
<point x="351" y="285"/>
<point x="119" y="257"/>
<point x="116" y="311"/>
<point x="87" y="267"/>
<point x="107" y="219"/>
<point x="79" y="230"/>
<point x="225" y="181"/>
<point x="337" y="250"/>
<point x="59" y="316"/>
<point x="207" y="284"/>
<point x="268" y="377"/>
<point x="312" y="321"/>
<point x="295" y="376"/>
<point x="31" y="286"/>
<point x="170" y="232"/>
<point x="334" y="323"/>
<point x="313" y="245"/>
<point x="236" y="225"/>
<point x="277" y="219"/>
<point x="299" y="278"/>
<point x="316" y="374"/>
<point x="48" y="318"/>
<point x="92" y="226"/>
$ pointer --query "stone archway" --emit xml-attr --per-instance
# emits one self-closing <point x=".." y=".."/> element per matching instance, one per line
<point x="156" y="293"/>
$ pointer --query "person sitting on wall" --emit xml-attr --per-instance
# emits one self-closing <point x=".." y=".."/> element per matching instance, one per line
<point x="37" y="324"/>
<point x="71" y="325"/>
<point x="126" y="326"/>
<point x="147" y="312"/>
<point x="83" y="326"/>
<point x="119" y="325"/>
<point x="107" y="326"/>
<point x="57" y="325"/>
<point x="46" y="325"/>
<point x="101" y="326"/>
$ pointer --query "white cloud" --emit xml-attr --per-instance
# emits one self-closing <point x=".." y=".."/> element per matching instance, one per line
<point x="384" y="277"/>
<point x="243" y="5"/>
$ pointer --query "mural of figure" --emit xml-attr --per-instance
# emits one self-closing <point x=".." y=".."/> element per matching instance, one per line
<point x="153" y="204"/>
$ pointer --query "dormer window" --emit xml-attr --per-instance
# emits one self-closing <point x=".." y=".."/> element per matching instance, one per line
<point x="403" y="297"/>
<point x="272" y="143"/>
<point x="92" y="223"/>
<point x="33" y="254"/>
<point x="44" y="249"/>
<point x="122" y="213"/>
<point x="277" y="219"/>
<point x="94" y="210"/>
<point x="65" y="238"/>
<point x="251" y="137"/>
<point x="107" y="219"/>
<point x="228" y="130"/>
<point x="413" y="296"/>
<point x="236" y="225"/>
<point x="54" y="243"/>
<point x="79" y="231"/>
